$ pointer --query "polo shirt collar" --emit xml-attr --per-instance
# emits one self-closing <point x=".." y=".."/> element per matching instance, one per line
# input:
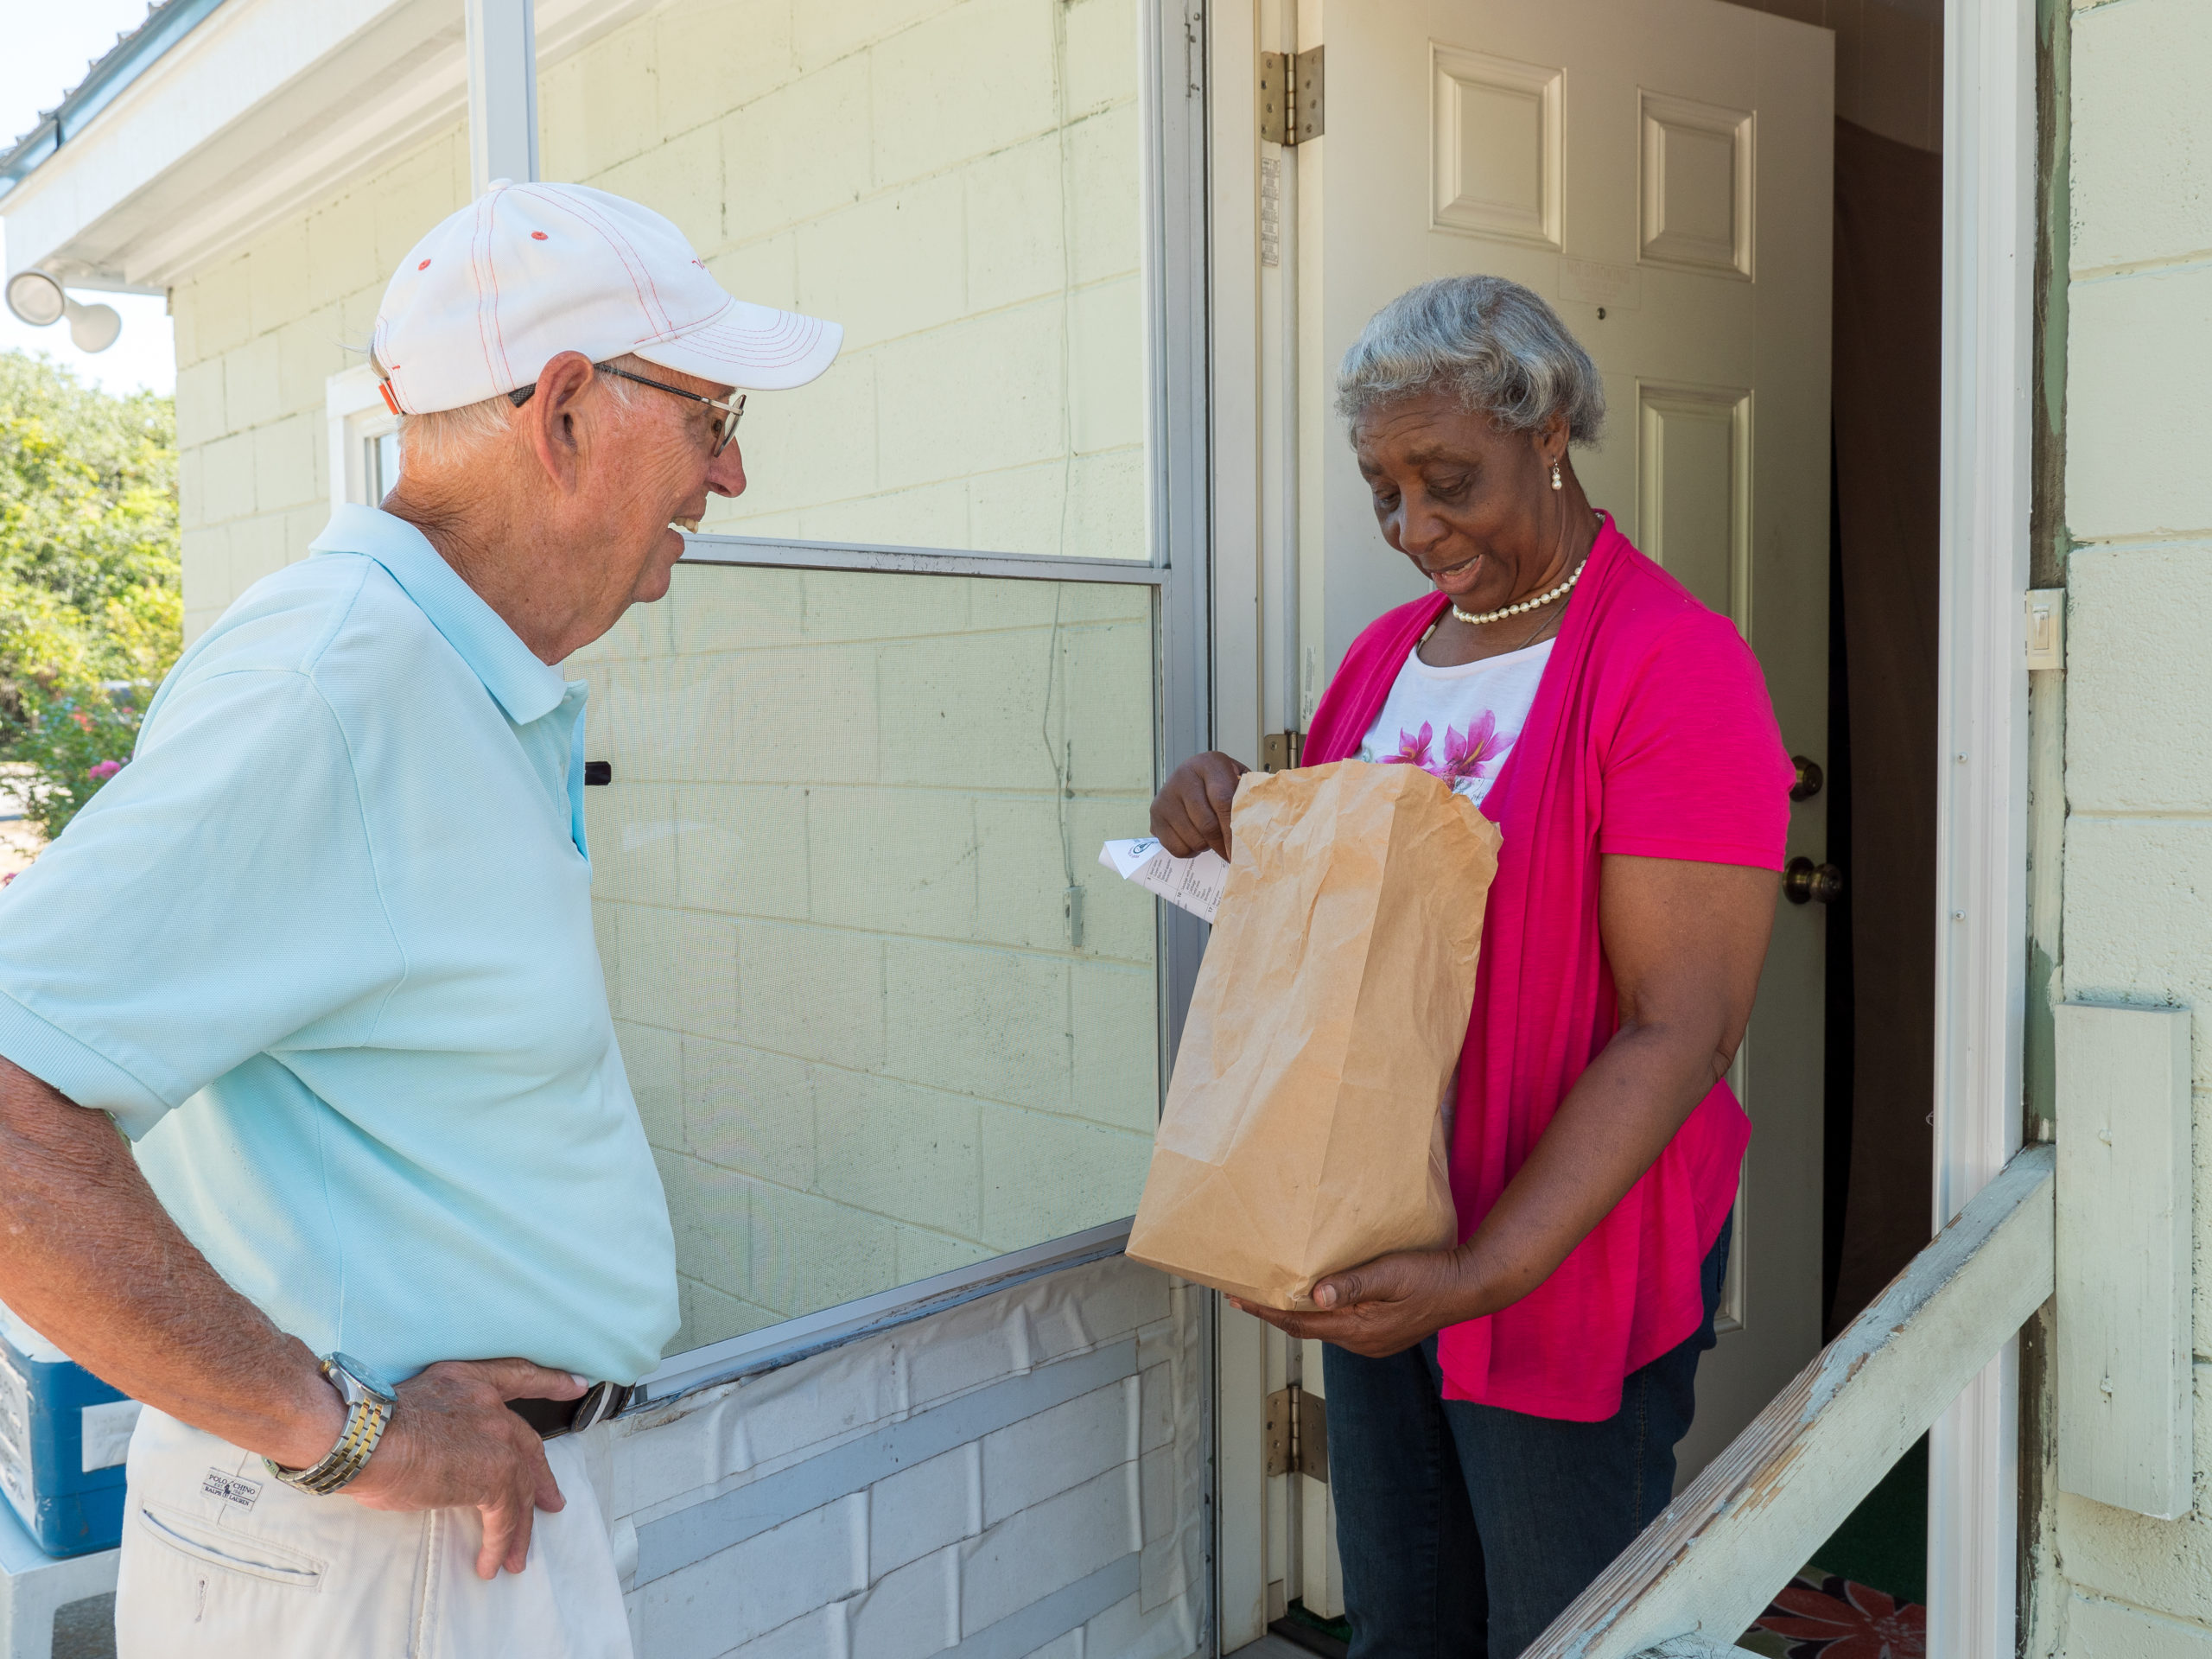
<point x="527" y="688"/>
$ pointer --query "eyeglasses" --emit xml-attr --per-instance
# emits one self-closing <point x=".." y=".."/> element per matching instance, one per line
<point x="731" y="413"/>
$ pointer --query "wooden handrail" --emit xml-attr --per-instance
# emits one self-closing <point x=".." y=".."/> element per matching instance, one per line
<point x="1697" y="1577"/>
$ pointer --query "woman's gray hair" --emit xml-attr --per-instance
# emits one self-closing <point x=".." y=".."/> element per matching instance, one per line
<point x="1498" y="346"/>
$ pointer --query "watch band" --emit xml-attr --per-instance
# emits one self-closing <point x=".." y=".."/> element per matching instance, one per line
<point x="369" y="1406"/>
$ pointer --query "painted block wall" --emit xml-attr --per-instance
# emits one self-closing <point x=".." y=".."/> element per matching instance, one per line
<point x="257" y="338"/>
<point x="2137" y="885"/>
<point x="955" y="180"/>
<point x="957" y="185"/>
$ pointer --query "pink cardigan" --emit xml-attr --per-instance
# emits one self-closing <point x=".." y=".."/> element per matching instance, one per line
<point x="1652" y="734"/>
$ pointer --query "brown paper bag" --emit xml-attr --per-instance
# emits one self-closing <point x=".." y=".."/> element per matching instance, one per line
<point x="1303" y="1134"/>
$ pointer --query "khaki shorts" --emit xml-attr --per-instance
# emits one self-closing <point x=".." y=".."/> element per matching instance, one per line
<point x="220" y="1560"/>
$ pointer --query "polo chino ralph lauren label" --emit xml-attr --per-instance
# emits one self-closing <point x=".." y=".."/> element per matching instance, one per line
<point x="231" y="1489"/>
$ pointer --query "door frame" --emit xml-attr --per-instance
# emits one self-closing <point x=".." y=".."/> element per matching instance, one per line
<point x="1989" y="229"/>
<point x="1981" y="721"/>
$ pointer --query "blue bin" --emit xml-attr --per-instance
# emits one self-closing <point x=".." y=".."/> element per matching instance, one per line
<point x="55" y="1418"/>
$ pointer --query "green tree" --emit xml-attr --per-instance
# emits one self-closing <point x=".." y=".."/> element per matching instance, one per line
<point x="91" y="597"/>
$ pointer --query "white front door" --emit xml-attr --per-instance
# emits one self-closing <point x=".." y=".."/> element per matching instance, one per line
<point x="1660" y="171"/>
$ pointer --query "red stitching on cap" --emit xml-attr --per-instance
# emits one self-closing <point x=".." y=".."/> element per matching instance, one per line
<point x="666" y="320"/>
<point x="791" y="340"/>
<point x="506" y="365"/>
<point x="425" y="265"/>
<point x="538" y="236"/>
<point x="582" y="211"/>
<point x="486" y="303"/>
<point x="655" y="311"/>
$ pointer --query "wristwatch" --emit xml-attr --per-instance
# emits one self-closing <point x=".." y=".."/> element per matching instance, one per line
<point x="369" y="1403"/>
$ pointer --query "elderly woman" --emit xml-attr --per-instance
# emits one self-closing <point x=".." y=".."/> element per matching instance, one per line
<point x="1502" y="1416"/>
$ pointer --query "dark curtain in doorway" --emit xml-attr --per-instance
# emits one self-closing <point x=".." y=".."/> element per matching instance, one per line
<point x="1888" y="211"/>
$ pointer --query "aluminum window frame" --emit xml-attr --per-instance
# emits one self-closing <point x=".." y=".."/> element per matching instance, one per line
<point x="1171" y="118"/>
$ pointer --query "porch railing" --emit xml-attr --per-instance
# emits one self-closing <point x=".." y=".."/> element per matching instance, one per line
<point x="1698" y="1576"/>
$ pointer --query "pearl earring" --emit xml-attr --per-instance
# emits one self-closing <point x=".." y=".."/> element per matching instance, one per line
<point x="1556" y="483"/>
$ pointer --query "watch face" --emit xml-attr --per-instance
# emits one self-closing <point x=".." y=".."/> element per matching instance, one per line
<point x="367" y="1376"/>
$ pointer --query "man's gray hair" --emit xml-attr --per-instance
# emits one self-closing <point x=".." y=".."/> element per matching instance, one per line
<point x="452" y="434"/>
<point x="1499" y="346"/>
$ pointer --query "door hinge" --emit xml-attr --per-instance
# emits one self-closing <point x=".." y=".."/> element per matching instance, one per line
<point x="1297" y="1433"/>
<point x="1291" y="91"/>
<point x="1280" y="751"/>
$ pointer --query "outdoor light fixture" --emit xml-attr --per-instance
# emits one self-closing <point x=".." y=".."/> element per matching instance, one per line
<point x="38" y="299"/>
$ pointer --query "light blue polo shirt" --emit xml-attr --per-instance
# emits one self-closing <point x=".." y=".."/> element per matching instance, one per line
<point x="324" y="948"/>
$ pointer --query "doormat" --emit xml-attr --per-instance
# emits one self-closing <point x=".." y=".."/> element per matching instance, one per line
<point x="1819" y="1615"/>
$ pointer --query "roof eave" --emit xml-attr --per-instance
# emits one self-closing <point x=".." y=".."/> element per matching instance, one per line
<point x="130" y="58"/>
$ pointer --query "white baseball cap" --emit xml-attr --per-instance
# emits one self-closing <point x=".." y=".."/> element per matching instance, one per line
<point x="527" y="271"/>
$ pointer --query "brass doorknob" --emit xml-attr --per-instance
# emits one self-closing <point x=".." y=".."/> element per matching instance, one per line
<point x="1808" y="779"/>
<point x="1804" y="882"/>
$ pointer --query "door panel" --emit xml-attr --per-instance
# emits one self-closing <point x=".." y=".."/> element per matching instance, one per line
<point x="1693" y="489"/>
<point x="1660" y="171"/>
<point x="1497" y="158"/>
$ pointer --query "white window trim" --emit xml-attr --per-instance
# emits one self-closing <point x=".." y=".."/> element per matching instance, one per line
<point x="356" y="413"/>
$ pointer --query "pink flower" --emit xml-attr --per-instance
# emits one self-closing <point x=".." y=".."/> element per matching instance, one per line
<point x="1475" y="755"/>
<point x="83" y="720"/>
<point x="100" y="771"/>
<point x="1847" y="1620"/>
<point x="1412" y="749"/>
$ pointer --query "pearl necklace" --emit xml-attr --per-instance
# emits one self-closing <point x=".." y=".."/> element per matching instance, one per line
<point x="1538" y="603"/>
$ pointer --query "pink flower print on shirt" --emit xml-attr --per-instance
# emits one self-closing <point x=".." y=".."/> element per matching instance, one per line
<point x="1413" y="748"/>
<point x="1475" y="755"/>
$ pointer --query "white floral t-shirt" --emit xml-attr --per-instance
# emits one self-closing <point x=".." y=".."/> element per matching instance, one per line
<point x="1458" y="723"/>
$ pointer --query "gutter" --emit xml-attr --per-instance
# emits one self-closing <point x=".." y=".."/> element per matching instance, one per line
<point x="130" y="57"/>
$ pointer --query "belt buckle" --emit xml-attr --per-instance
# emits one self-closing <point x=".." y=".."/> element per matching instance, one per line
<point x="600" y="1402"/>
<point x="554" y="1418"/>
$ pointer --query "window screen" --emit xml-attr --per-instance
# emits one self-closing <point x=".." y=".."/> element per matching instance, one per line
<point x="883" y="1012"/>
<point x="957" y="184"/>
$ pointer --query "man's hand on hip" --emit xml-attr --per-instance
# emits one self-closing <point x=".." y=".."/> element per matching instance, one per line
<point x="452" y="1443"/>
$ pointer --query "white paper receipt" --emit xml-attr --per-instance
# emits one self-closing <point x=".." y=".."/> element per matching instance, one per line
<point x="1191" y="884"/>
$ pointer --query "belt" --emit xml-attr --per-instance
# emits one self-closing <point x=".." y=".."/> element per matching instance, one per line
<point x="554" y="1418"/>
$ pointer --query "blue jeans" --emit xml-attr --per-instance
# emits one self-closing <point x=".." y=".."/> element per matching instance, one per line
<point x="1466" y="1530"/>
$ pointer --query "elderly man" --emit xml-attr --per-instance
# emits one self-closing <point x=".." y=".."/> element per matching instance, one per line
<point x="323" y="951"/>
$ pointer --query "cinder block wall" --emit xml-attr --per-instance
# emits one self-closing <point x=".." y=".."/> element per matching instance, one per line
<point x="957" y="185"/>
<point x="2138" y="876"/>
<point x="257" y="337"/>
<point x="955" y="180"/>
